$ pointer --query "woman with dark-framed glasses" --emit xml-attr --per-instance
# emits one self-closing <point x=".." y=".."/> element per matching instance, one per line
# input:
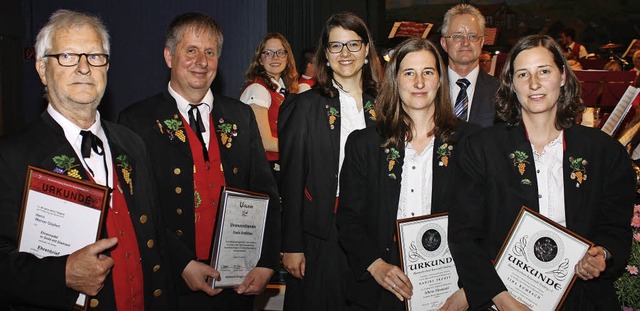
<point x="313" y="128"/>
<point x="271" y="76"/>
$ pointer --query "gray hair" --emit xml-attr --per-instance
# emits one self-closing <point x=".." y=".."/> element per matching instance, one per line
<point x="462" y="9"/>
<point x="197" y="22"/>
<point x="65" y="19"/>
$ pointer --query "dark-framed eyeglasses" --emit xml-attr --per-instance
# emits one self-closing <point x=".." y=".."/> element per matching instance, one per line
<point x="278" y="53"/>
<point x="72" y="59"/>
<point x="458" y="37"/>
<point x="336" y="47"/>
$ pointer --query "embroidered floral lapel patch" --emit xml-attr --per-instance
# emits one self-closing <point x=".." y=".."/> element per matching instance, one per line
<point x="519" y="160"/>
<point x="123" y="163"/>
<point x="369" y="111"/>
<point x="578" y="170"/>
<point x="392" y="157"/>
<point x="333" y="115"/>
<point x="173" y="128"/>
<point x="66" y="165"/>
<point x="227" y="132"/>
<point x="444" y="153"/>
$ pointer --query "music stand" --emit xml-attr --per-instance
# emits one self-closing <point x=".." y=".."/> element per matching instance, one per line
<point x="601" y="88"/>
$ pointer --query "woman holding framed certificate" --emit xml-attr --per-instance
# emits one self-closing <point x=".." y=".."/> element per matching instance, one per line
<point x="578" y="177"/>
<point x="401" y="168"/>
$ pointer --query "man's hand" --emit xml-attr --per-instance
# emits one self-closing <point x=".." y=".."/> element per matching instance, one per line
<point x="456" y="302"/>
<point x="391" y="278"/>
<point x="294" y="263"/>
<point x="195" y="274"/>
<point x="592" y="264"/>
<point x="255" y="281"/>
<point x="87" y="268"/>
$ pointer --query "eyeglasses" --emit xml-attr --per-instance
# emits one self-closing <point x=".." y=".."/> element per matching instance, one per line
<point x="72" y="59"/>
<point x="279" y="53"/>
<point x="336" y="47"/>
<point x="457" y="37"/>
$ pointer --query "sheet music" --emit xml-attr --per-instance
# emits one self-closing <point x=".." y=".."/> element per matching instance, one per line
<point x="620" y="111"/>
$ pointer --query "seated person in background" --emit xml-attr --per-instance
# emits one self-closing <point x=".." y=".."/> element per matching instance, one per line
<point x="573" y="50"/>
<point x="613" y="65"/>
<point x="485" y="61"/>
<point x="308" y="78"/>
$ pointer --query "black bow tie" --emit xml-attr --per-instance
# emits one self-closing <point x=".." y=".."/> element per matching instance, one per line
<point x="90" y="141"/>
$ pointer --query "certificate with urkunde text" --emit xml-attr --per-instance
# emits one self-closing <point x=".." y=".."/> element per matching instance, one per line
<point x="237" y="243"/>
<point x="425" y="258"/>
<point x="60" y="215"/>
<point x="537" y="260"/>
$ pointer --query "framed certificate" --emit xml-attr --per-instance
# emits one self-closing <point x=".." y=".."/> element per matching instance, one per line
<point x="60" y="215"/>
<point x="425" y="258"/>
<point x="537" y="260"/>
<point x="237" y="243"/>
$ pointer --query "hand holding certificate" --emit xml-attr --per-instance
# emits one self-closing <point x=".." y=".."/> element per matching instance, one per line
<point x="239" y="233"/>
<point x="61" y="215"/>
<point x="427" y="261"/>
<point x="537" y="261"/>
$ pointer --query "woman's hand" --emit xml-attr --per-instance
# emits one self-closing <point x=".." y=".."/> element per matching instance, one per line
<point x="505" y="302"/>
<point x="391" y="278"/>
<point x="592" y="264"/>
<point x="456" y="302"/>
<point x="294" y="263"/>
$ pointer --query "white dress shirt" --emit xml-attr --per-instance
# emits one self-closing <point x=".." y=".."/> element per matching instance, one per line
<point x="351" y="119"/>
<point x="95" y="163"/>
<point x="550" y="180"/>
<point x="205" y="110"/>
<point x="416" y="183"/>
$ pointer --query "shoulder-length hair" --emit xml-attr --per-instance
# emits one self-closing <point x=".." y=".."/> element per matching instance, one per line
<point x="509" y="109"/>
<point x="393" y="121"/>
<point x="371" y="73"/>
<point x="257" y="71"/>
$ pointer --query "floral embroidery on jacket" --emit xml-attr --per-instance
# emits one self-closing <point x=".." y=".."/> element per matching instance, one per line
<point x="123" y="163"/>
<point x="227" y="132"/>
<point x="173" y="127"/>
<point x="392" y="156"/>
<point x="444" y="153"/>
<point x="333" y="114"/>
<point x="578" y="170"/>
<point x="519" y="160"/>
<point x="370" y="111"/>
<point x="66" y="165"/>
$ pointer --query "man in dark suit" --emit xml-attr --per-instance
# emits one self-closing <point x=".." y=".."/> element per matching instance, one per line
<point x="472" y="90"/>
<point x="199" y="144"/>
<point x="124" y="270"/>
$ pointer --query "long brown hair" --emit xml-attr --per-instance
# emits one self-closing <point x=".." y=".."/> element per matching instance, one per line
<point x="393" y="122"/>
<point x="371" y="73"/>
<point x="509" y="109"/>
<point x="257" y="71"/>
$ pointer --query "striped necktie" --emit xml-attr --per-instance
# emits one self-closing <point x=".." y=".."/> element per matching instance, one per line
<point x="462" y="101"/>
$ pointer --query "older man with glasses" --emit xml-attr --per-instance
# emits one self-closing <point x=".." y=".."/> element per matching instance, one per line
<point x="472" y="90"/>
<point x="124" y="269"/>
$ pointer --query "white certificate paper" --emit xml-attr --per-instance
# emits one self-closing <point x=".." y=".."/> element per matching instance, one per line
<point x="239" y="233"/>
<point x="427" y="261"/>
<point x="60" y="215"/>
<point x="537" y="261"/>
